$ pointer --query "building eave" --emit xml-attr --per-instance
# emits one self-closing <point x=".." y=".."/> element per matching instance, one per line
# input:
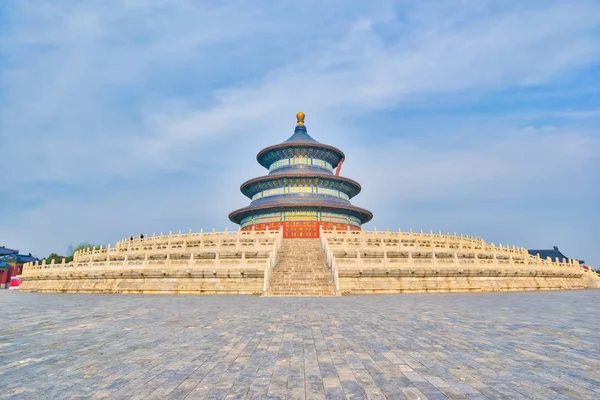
<point x="361" y="213"/>
<point x="245" y="188"/>
<point x="260" y="157"/>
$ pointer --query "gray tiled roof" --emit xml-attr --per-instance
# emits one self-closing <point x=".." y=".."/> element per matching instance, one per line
<point x="5" y="251"/>
<point x="300" y="169"/>
<point x="300" y="136"/>
<point x="300" y="199"/>
<point x="553" y="254"/>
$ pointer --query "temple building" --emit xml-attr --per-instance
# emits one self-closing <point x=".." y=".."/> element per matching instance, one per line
<point x="303" y="190"/>
<point x="11" y="265"/>
<point x="301" y="235"/>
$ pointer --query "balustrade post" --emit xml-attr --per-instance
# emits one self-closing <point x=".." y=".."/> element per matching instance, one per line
<point x="336" y="276"/>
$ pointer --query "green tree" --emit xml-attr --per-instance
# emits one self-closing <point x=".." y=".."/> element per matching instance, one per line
<point x="53" y="256"/>
<point x="85" y="246"/>
<point x="82" y="246"/>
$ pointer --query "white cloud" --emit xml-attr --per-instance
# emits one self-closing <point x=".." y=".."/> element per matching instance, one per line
<point x="361" y="74"/>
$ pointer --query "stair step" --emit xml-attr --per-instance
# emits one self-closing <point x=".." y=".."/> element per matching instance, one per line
<point x="302" y="291"/>
<point x="301" y="270"/>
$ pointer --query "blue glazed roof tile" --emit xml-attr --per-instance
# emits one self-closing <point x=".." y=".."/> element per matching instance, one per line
<point x="553" y="254"/>
<point x="21" y="258"/>
<point x="300" y="169"/>
<point x="26" y="258"/>
<point x="6" y="251"/>
<point x="301" y="136"/>
<point x="300" y="199"/>
<point x="300" y="145"/>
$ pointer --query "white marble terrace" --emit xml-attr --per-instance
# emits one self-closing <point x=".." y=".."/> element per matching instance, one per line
<point x="235" y="250"/>
<point x="355" y="251"/>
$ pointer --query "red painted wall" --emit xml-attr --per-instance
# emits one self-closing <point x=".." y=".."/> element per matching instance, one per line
<point x="4" y="277"/>
<point x="6" y="274"/>
<point x="301" y="229"/>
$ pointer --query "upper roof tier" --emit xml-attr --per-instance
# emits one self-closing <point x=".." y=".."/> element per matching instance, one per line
<point x="300" y="144"/>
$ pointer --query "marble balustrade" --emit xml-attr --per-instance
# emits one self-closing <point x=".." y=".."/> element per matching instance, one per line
<point x="366" y="261"/>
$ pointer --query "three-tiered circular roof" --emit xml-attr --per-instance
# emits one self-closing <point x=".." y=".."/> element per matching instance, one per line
<point x="300" y="162"/>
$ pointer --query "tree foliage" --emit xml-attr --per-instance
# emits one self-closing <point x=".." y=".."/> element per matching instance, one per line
<point x="85" y="246"/>
<point x="58" y="258"/>
<point x="53" y="256"/>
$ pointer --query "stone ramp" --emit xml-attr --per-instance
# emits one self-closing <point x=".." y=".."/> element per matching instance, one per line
<point x="301" y="270"/>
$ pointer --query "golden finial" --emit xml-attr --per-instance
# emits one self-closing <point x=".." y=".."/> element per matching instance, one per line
<point x="300" y="118"/>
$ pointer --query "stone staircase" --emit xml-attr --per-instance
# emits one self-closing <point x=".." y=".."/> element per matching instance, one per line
<point x="301" y="270"/>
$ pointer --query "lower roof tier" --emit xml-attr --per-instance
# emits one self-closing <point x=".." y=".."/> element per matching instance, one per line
<point x="360" y="214"/>
<point x="268" y="182"/>
<point x="290" y="219"/>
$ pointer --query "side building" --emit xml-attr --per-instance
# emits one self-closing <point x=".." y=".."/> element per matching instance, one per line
<point x="553" y="254"/>
<point x="11" y="265"/>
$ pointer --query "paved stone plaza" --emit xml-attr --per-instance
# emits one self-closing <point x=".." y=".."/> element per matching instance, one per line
<point x="497" y="345"/>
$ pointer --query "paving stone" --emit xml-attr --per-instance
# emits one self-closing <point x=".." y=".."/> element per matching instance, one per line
<point x="542" y="345"/>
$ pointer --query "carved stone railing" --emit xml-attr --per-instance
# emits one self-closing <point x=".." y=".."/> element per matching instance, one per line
<point x="330" y="259"/>
<point x="173" y="243"/>
<point x="393" y="250"/>
<point x="273" y="259"/>
<point x="240" y="250"/>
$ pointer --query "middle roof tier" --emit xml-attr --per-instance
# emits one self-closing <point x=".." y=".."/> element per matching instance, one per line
<point x="270" y="182"/>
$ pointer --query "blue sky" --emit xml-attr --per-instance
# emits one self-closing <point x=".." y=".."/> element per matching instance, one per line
<point x="478" y="117"/>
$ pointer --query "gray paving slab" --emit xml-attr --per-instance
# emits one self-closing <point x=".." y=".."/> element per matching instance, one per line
<point x="538" y="345"/>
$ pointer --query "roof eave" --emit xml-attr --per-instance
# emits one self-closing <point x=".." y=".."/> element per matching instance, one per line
<point x="249" y="182"/>
<point x="261" y="153"/>
<point x="365" y="215"/>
